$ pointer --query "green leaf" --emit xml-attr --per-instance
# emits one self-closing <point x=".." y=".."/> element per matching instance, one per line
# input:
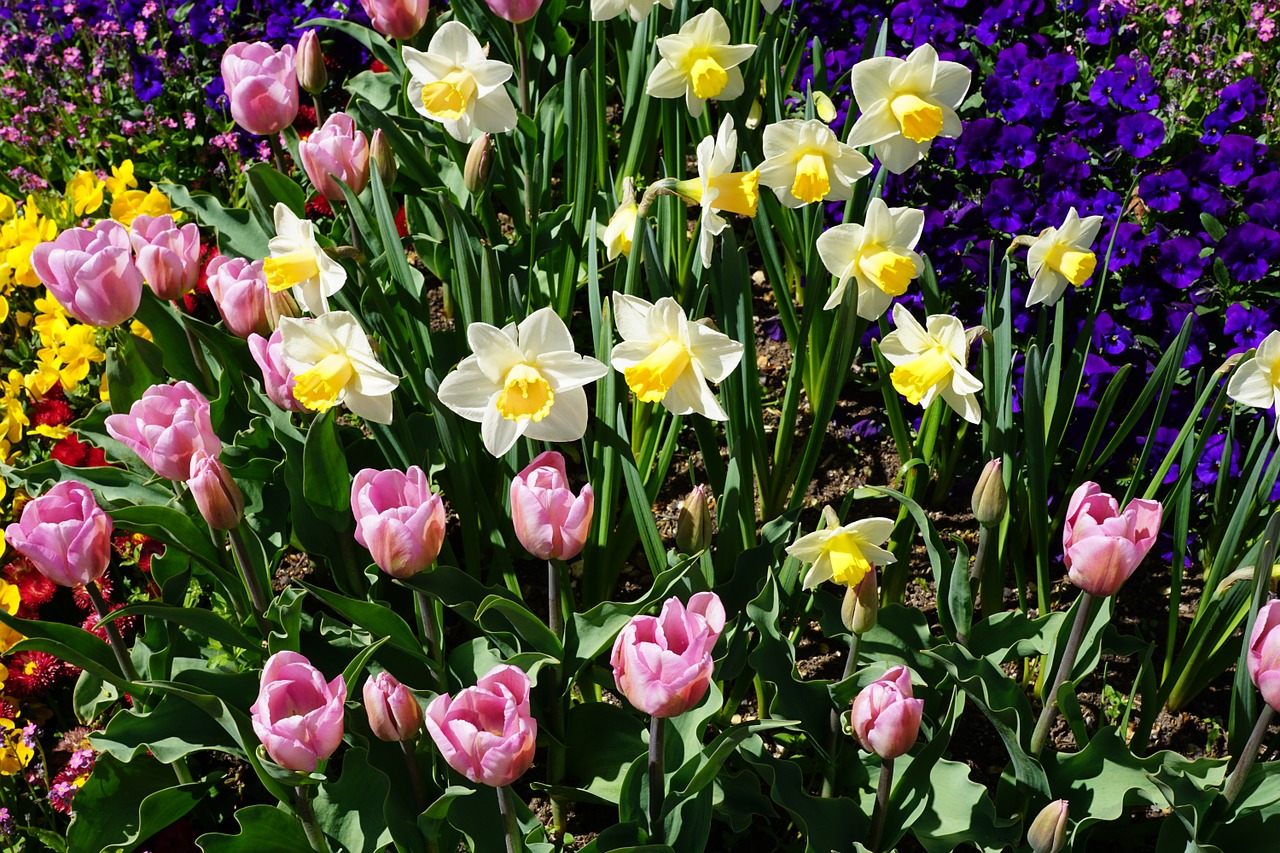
<point x="702" y="769"/>
<point x="133" y="366"/>
<point x="326" y="481"/>
<point x="594" y="631"/>
<point x="169" y="731"/>
<point x="239" y="234"/>
<point x="376" y="618"/>
<point x="123" y="804"/>
<point x="70" y="643"/>
<point x="529" y="627"/>
<point x="261" y="828"/>
<point x="204" y="622"/>
<point x="267" y="187"/>
<point x="350" y="811"/>
<point x="603" y="740"/>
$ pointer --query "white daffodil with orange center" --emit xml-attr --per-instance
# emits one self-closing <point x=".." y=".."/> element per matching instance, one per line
<point x="844" y="554"/>
<point x="879" y="256"/>
<point x="522" y="380"/>
<point x="699" y="64"/>
<point x="905" y="104"/>
<point x="717" y="188"/>
<point x="300" y="264"/>
<point x="1256" y="382"/>
<point x="805" y="162"/>
<point x="334" y="365"/>
<point x="456" y="84"/>
<point x="930" y="361"/>
<point x="667" y="359"/>
<point x="1062" y="256"/>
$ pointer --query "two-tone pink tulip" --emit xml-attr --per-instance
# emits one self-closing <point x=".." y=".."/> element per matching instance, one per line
<point x="663" y="664"/>
<point x="90" y="271"/>
<point x="486" y="732"/>
<point x="393" y="711"/>
<point x="398" y="19"/>
<point x="398" y="519"/>
<point x="1102" y="546"/>
<point x="165" y="427"/>
<point x="885" y="716"/>
<point x="65" y="535"/>
<point x="298" y="715"/>
<point x="277" y="379"/>
<point x="168" y="255"/>
<point x="262" y="85"/>
<point x="336" y="151"/>
<point x="551" y="522"/>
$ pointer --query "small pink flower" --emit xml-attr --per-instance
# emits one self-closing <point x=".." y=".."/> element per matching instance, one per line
<point x="65" y="534"/>
<point x="239" y="289"/>
<point x="885" y="716"/>
<point x="91" y="273"/>
<point x="166" y="427"/>
<point x="168" y="256"/>
<point x="277" y="379"/>
<point x="216" y="493"/>
<point x="663" y="664"/>
<point x="398" y="519"/>
<point x="262" y="84"/>
<point x="1264" y="653"/>
<point x="394" y="713"/>
<point x="400" y="19"/>
<point x="486" y="732"/>
<point x="336" y="150"/>
<point x="515" y="11"/>
<point x="550" y="521"/>
<point x="1103" y="546"/>
<point x="298" y="717"/>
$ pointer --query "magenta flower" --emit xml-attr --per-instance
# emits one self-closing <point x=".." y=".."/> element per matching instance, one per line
<point x="166" y="427"/>
<point x="239" y="288"/>
<point x="486" y="732"/>
<point x="399" y="19"/>
<point x="262" y="84"/>
<point x="1101" y="545"/>
<point x="336" y="150"/>
<point x="65" y="534"/>
<point x="1264" y="653"/>
<point x="663" y="664"/>
<point x="885" y="717"/>
<point x="298" y="717"/>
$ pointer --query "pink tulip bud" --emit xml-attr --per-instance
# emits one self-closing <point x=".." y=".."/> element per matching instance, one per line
<point x="166" y="427"/>
<point x="486" y="732"/>
<point x="247" y="305"/>
<point x="663" y="664"/>
<point x="65" y="534"/>
<point x="1101" y="545"/>
<point x="277" y="379"/>
<point x="515" y="11"/>
<point x="312" y="75"/>
<point x="168" y="256"/>
<point x="298" y="717"/>
<point x="1264" y="651"/>
<point x="394" y="713"/>
<point x="216" y="494"/>
<point x="383" y="158"/>
<point x="550" y="522"/>
<point x="397" y="19"/>
<point x="886" y="718"/>
<point x="91" y="273"/>
<point x="1048" y="832"/>
<point x="398" y="519"/>
<point x="336" y="150"/>
<point x="262" y="84"/>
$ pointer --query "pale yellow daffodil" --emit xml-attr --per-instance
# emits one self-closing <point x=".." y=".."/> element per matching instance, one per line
<point x="300" y="264"/>
<point x="699" y="64"/>
<point x="1062" y="256"/>
<point x="717" y="188"/>
<point x="334" y="365"/>
<point x="456" y="84"/>
<point x="879" y="256"/>
<point x="844" y="554"/>
<point x="805" y="162"/>
<point x="1256" y="382"/>
<point x="930" y="361"/>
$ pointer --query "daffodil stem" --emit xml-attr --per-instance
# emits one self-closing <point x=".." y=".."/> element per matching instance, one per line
<point x="657" y="779"/>
<point x="278" y="151"/>
<point x="302" y="804"/>
<point x="431" y="634"/>
<point x="522" y="57"/>
<point x="509" y="825"/>
<point x="883" y="789"/>
<point x="833" y="742"/>
<point x="250" y="577"/>
<point x="1050" y="711"/>
<point x="1236" y="780"/>
<point x="113" y="633"/>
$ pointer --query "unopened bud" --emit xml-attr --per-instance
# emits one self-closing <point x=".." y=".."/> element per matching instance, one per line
<point x="310" y="63"/>
<point x="861" y="606"/>
<point x="1048" y="832"/>
<point x="693" y="530"/>
<point x="479" y="163"/>
<point x="384" y="159"/>
<point x="990" y="500"/>
<point x="215" y="493"/>
<point x="822" y="106"/>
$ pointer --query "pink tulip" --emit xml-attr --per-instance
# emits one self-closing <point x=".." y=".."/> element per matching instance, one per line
<point x="1264" y="652"/>
<point x="65" y="534"/>
<point x="885" y="717"/>
<point x="216" y="494"/>
<point x="168" y="256"/>
<point x="397" y="19"/>
<point x="663" y="664"/>
<point x="166" y="427"/>
<point x="312" y="75"/>
<point x="515" y="11"/>
<point x="239" y="287"/>
<point x="486" y="732"/>
<point x="262" y="84"/>
<point x="1101" y="545"/>
<point x="394" y="713"/>
<point x="398" y="519"/>
<point x="298" y="717"/>
<point x="277" y="379"/>
<point x="336" y="150"/>
<point x="550" y="521"/>
<point x="91" y="273"/>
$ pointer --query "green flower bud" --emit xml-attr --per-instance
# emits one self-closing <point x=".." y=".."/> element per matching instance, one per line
<point x="693" y="529"/>
<point x="990" y="500"/>
<point x="1048" y="832"/>
<point x="475" y="174"/>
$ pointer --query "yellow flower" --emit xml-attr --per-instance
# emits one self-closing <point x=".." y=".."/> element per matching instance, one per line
<point x="1062" y="256"/>
<point x="13" y="419"/>
<point x="10" y="600"/>
<point x="85" y="192"/>
<point x="79" y="348"/>
<point x="131" y="204"/>
<point x="930" y="361"/>
<point x="617" y="236"/>
<point x="716" y="188"/>
<point x="805" y="162"/>
<point x="844" y="554"/>
<point x="55" y="433"/>
<point x="15" y="755"/>
<point x="47" y="373"/>
<point x="335" y="365"/>
<point x="121" y="179"/>
<point x="140" y="330"/>
<point x="8" y="209"/>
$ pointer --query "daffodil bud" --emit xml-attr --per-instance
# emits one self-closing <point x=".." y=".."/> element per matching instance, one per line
<point x="989" y="497"/>
<point x="384" y="160"/>
<point x="1048" y="832"/>
<point x="479" y="163"/>
<point x="693" y="529"/>
<point x="823" y="107"/>
<point x="311" y="73"/>
<point x="861" y="606"/>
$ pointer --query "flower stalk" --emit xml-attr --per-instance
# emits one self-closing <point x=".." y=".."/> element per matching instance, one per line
<point x="1050" y="711"/>
<point x="113" y="633"/>
<point x="883" y="788"/>
<point x="251" y="581"/>
<point x="302" y="804"/>
<point x="657" y="752"/>
<point x="511" y="829"/>
<point x="1241" y="772"/>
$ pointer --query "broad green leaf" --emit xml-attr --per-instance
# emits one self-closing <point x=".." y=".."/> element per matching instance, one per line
<point x="123" y="804"/>
<point x="261" y="828"/>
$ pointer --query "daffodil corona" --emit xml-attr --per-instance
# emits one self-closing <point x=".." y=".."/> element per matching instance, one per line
<point x="805" y="162"/>
<point x="699" y="64"/>
<point x="299" y="263"/>
<point x="879" y="256"/>
<point x="716" y="188"/>
<point x="456" y="84"/>
<point x="844" y="554"/>
<point x="334" y="365"/>
<point x="930" y="361"/>
<point x="1062" y="256"/>
<point x="1256" y="382"/>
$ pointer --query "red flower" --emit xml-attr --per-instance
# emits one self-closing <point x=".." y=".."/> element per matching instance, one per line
<point x="402" y="223"/>
<point x="35" y="589"/>
<point x="75" y="453"/>
<point x="378" y="67"/>
<point x="53" y="409"/>
<point x="105" y="583"/>
<point x="150" y="548"/>
<point x="317" y="207"/>
<point x="125" y="624"/>
<point x="33" y="674"/>
<point x="306" y="121"/>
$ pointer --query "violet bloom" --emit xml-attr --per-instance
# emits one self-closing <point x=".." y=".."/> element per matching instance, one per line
<point x="298" y="717"/>
<point x="1140" y="134"/>
<point x="1179" y="261"/>
<point x="1235" y="159"/>
<point x="486" y="732"/>
<point x="91" y="273"/>
<point x="1163" y="191"/>
<point x="886" y="716"/>
<point x="165" y="427"/>
<point x="1101" y="545"/>
<point x="65" y="534"/>
<point x="1007" y="206"/>
<point x="977" y="150"/>
<point x="1127" y="250"/>
<point x="1246" y="325"/>
<point x="663" y="664"/>
<point x="1248" y="250"/>
<point x="1109" y="336"/>
<point x="1018" y="146"/>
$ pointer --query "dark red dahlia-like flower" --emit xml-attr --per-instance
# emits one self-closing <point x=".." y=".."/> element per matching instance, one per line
<point x="33" y="674"/>
<point x="75" y="453"/>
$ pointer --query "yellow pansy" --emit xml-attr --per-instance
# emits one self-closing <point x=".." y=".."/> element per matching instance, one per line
<point x="121" y="179"/>
<point x="131" y="204"/>
<point x="10" y="600"/>
<point x="85" y="192"/>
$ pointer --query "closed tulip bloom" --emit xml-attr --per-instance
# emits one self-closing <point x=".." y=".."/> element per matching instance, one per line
<point x="65" y="534"/>
<point x="165" y="427"/>
<point x="699" y="64"/>
<point x="515" y="11"/>
<point x="219" y="499"/>
<point x="312" y="75"/>
<point x="845" y="554"/>
<point x="394" y="712"/>
<point x="398" y="519"/>
<point x="879" y="256"/>
<point x="604" y="10"/>
<point x="300" y="264"/>
<point x="885" y="717"/>
<point x="1102" y="545"/>
<point x="486" y="732"/>
<point x="1048" y="832"/>
<point x="91" y="273"/>
<point x="298" y="717"/>
<point x="1264" y="653"/>
<point x="262" y="85"/>
<point x="336" y="150"/>
<point x="805" y="162"/>
<point x="930" y="361"/>
<point x="663" y="664"/>
<point x="246" y="303"/>
<point x="277" y="379"/>
<point x="551" y="521"/>
<point x="717" y="188"/>
<point x="168" y="255"/>
<point x="397" y="19"/>
<point x="1256" y="382"/>
<point x="454" y="83"/>
<point x="1062" y="256"/>
<point x="333" y="365"/>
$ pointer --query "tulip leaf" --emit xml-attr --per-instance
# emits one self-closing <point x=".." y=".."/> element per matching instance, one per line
<point x="326" y="481"/>
<point x="123" y="804"/>
<point x="69" y="643"/>
<point x="374" y="617"/>
<point x="529" y="627"/>
<point x="267" y="188"/>
<point x="350" y="810"/>
<point x="351" y="675"/>
<point x="204" y="622"/>
<point x="701" y="770"/>
<point x="603" y="740"/>
<point x="239" y="234"/>
<point x="169" y="731"/>
<point x="261" y="828"/>
<point x="170" y="336"/>
<point x="133" y="366"/>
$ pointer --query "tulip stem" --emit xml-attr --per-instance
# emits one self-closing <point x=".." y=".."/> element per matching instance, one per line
<point x="988" y="579"/>
<point x="318" y="103"/>
<point x="415" y="776"/>
<point x="302" y="803"/>
<point x="197" y="355"/>
<point x="883" y="789"/>
<point x="1050" y="711"/>
<point x="113" y="633"/>
<point x="833" y="742"/>
<point x="657" y="779"/>
<point x="555" y="751"/>
<point x="251" y="580"/>
<point x="431" y="635"/>
<point x="512" y="829"/>
<point x="555" y="611"/>
<point x="1236" y="780"/>
<point x="278" y="151"/>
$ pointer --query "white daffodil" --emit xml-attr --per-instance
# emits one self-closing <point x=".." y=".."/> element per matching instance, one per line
<point x="297" y="261"/>
<point x="1062" y="256"/>
<point x="805" y="162"/>
<point x="931" y="361"/>
<point x="699" y="64"/>
<point x="879" y="255"/>
<point x="455" y="84"/>
<point x="334" y="365"/>
<point x="617" y="235"/>
<point x="604" y="10"/>
<point x="771" y="6"/>
<point x="844" y="554"/>
<point x="1257" y="381"/>
<point x="906" y="104"/>
<point x="716" y="188"/>
<point x="668" y="359"/>
<point x="522" y="380"/>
